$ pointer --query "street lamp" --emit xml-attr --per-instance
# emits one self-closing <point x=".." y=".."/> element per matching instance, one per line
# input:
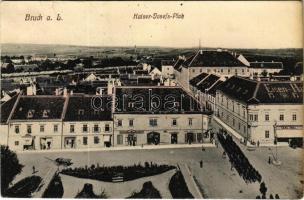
<point x="276" y="161"/>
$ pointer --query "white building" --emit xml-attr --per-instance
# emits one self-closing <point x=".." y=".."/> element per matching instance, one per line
<point x="158" y="115"/>
<point x="259" y="68"/>
<point x="219" y="62"/>
<point x="167" y="69"/>
<point x="261" y="111"/>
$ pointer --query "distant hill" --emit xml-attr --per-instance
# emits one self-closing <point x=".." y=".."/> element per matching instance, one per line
<point x="30" y="49"/>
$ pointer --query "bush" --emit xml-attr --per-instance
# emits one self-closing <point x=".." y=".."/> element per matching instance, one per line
<point x="24" y="188"/>
<point x="55" y="188"/>
<point x="128" y="173"/>
<point x="178" y="187"/>
<point x="10" y="167"/>
<point x="148" y="191"/>
<point x="88" y="193"/>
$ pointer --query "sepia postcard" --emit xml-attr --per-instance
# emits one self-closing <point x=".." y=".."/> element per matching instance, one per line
<point x="152" y="99"/>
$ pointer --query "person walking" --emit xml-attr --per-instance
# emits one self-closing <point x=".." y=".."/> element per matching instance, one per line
<point x="34" y="170"/>
<point x="201" y="164"/>
<point x="269" y="160"/>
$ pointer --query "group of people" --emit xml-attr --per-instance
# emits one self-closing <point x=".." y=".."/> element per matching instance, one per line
<point x="237" y="159"/>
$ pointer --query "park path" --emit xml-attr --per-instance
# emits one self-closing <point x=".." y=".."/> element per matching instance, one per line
<point x="188" y="176"/>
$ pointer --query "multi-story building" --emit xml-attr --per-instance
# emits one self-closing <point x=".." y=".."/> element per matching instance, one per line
<point x="262" y="111"/>
<point x="87" y="122"/>
<point x="158" y="115"/>
<point x="265" y="68"/>
<point x="219" y="62"/>
<point x="167" y="68"/>
<point x="135" y="116"/>
<point x="35" y="122"/>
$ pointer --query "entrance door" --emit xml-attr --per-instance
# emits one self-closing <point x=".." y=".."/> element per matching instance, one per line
<point x="132" y="139"/>
<point x="189" y="137"/>
<point x="69" y="143"/>
<point x="153" y="138"/>
<point x="174" y="138"/>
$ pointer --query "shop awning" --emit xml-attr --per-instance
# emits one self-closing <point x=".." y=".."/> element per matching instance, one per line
<point x="295" y="133"/>
<point x="107" y="138"/>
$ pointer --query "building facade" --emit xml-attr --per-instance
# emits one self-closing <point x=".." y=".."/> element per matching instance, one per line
<point x="260" y="111"/>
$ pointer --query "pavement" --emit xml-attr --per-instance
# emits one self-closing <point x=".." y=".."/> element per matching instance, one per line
<point x="120" y="148"/>
<point x="192" y="186"/>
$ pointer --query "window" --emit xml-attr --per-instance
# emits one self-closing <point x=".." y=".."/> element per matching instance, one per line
<point x="222" y="70"/>
<point x="267" y="117"/>
<point x="96" y="140"/>
<point x="294" y="117"/>
<point x="80" y="112"/>
<point x="193" y="70"/>
<point x="281" y="117"/>
<point x="153" y="122"/>
<point x="119" y="139"/>
<point x="72" y="128"/>
<point x="41" y="128"/>
<point x="228" y="71"/>
<point x="85" y="140"/>
<point x="16" y="143"/>
<point x="130" y="122"/>
<point x="107" y="128"/>
<point x="267" y="134"/>
<point x="201" y="70"/>
<point x="119" y="122"/>
<point x="256" y="118"/>
<point x="96" y="128"/>
<point x="29" y="128"/>
<point x="45" y="113"/>
<point x="190" y="121"/>
<point x="85" y="128"/>
<point x="208" y="70"/>
<point x="233" y="122"/>
<point x="55" y="128"/>
<point x="30" y="113"/>
<point x="251" y="117"/>
<point x="17" y="129"/>
<point x="174" y="122"/>
<point x="239" y="126"/>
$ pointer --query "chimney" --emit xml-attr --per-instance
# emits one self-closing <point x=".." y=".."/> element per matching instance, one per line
<point x="57" y="92"/>
<point x="65" y="92"/>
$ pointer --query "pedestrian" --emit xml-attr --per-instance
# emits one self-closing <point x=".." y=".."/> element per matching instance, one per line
<point x="201" y="164"/>
<point x="34" y="170"/>
<point x="203" y="149"/>
<point x="269" y="160"/>
<point x="258" y="143"/>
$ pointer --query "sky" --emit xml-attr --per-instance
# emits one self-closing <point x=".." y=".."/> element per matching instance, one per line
<point x="239" y="24"/>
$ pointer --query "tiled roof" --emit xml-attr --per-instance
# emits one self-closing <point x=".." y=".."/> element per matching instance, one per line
<point x="39" y="107"/>
<point x="6" y="108"/>
<point x="254" y="92"/>
<point x="213" y="59"/>
<point x="88" y="108"/>
<point x="207" y="82"/>
<point x="267" y="65"/>
<point x="178" y="64"/>
<point x="167" y="62"/>
<point x="213" y="89"/>
<point x="194" y="81"/>
<point x="155" y="100"/>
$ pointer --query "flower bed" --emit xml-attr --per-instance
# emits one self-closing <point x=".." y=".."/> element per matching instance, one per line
<point x="178" y="187"/>
<point x="25" y="187"/>
<point x="148" y="191"/>
<point x="108" y="174"/>
<point x="55" y="188"/>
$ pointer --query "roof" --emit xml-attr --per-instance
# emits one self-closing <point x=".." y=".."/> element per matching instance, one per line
<point x="88" y="108"/>
<point x="178" y="64"/>
<point x="155" y="100"/>
<point x="212" y="58"/>
<point x="212" y="90"/>
<point x="207" y="82"/>
<point x="6" y="108"/>
<point x="194" y="81"/>
<point x="266" y="92"/>
<point x="37" y="105"/>
<point x="167" y="62"/>
<point x="266" y="65"/>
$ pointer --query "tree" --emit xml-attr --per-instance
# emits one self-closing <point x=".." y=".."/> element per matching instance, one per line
<point x="263" y="190"/>
<point x="10" y="167"/>
<point x="264" y="73"/>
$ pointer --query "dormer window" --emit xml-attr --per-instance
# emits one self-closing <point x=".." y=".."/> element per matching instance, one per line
<point x="80" y="112"/>
<point x="30" y="113"/>
<point x="46" y="113"/>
